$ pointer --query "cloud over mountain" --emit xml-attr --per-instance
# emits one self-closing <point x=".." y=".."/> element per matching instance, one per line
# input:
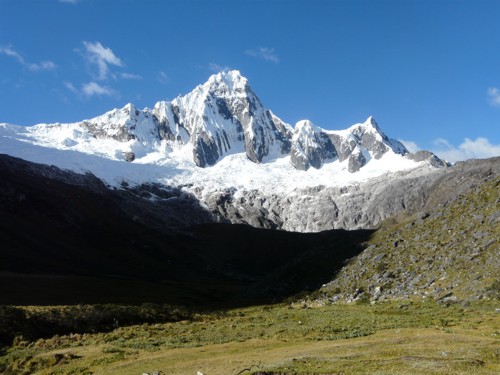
<point x="479" y="148"/>
<point x="102" y="57"/>
<point x="93" y="88"/>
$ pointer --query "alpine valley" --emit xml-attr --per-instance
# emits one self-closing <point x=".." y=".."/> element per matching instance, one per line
<point x="137" y="203"/>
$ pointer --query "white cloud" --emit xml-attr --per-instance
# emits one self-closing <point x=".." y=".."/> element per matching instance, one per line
<point x="34" y="67"/>
<point x="44" y="65"/>
<point x="264" y="53"/>
<point x="70" y="87"/>
<point x="93" y="88"/>
<point x="9" y="51"/>
<point x="410" y="145"/>
<point x="130" y="76"/>
<point x="90" y="89"/>
<point x="494" y="96"/>
<point x="469" y="149"/>
<point x="102" y="57"/>
<point x="163" y="78"/>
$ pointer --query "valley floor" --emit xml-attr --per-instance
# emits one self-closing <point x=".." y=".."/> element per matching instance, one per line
<point x="385" y="338"/>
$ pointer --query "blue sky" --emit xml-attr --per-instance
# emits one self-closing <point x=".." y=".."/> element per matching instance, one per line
<point x="427" y="70"/>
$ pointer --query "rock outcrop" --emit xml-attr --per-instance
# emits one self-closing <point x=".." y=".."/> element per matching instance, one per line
<point x="310" y="146"/>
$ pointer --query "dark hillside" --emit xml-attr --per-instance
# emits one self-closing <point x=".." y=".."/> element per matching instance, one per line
<point x="67" y="238"/>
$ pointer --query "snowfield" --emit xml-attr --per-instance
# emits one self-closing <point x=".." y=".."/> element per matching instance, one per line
<point x="174" y="167"/>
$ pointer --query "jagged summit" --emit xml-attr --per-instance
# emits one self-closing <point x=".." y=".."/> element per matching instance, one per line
<point x="231" y="79"/>
<point x="311" y="146"/>
<point x="220" y="123"/>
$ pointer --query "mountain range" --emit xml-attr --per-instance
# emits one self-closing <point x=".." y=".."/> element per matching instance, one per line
<point x="221" y="144"/>
<point x="219" y="118"/>
<point x="137" y="200"/>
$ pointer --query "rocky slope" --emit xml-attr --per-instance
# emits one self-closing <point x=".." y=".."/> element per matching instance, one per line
<point x="449" y="251"/>
<point x="353" y="206"/>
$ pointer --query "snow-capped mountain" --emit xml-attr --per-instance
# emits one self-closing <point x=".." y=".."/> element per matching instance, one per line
<point x="240" y="160"/>
<point x="222" y="117"/>
<point x="311" y="146"/>
<point x="219" y="118"/>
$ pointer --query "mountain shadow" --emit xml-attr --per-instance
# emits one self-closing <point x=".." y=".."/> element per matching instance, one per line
<point x="68" y="239"/>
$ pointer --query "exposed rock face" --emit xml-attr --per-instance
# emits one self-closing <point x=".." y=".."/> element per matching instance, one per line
<point x="129" y="156"/>
<point x="350" y="207"/>
<point x="120" y="124"/>
<point x="356" y="161"/>
<point x="322" y="208"/>
<point x="427" y="155"/>
<point x="223" y="116"/>
<point x="310" y="146"/>
<point x="361" y="142"/>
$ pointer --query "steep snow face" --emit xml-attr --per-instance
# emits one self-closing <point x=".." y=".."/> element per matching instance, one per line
<point x="224" y="117"/>
<point x="362" y="142"/>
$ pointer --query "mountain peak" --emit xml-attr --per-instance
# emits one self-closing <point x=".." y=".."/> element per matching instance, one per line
<point x="230" y="78"/>
<point x="370" y="123"/>
<point x="129" y="108"/>
<point x="310" y="146"/>
<point x="371" y="120"/>
<point x="305" y="130"/>
<point x="304" y="124"/>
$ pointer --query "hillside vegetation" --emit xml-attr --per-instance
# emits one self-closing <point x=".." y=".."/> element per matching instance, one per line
<point x="450" y="254"/>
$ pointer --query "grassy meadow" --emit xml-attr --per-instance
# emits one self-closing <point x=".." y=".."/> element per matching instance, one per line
<point x="359" y="338"/>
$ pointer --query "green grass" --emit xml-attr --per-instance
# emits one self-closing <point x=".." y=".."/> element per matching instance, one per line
<point x="404" y="338"/>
